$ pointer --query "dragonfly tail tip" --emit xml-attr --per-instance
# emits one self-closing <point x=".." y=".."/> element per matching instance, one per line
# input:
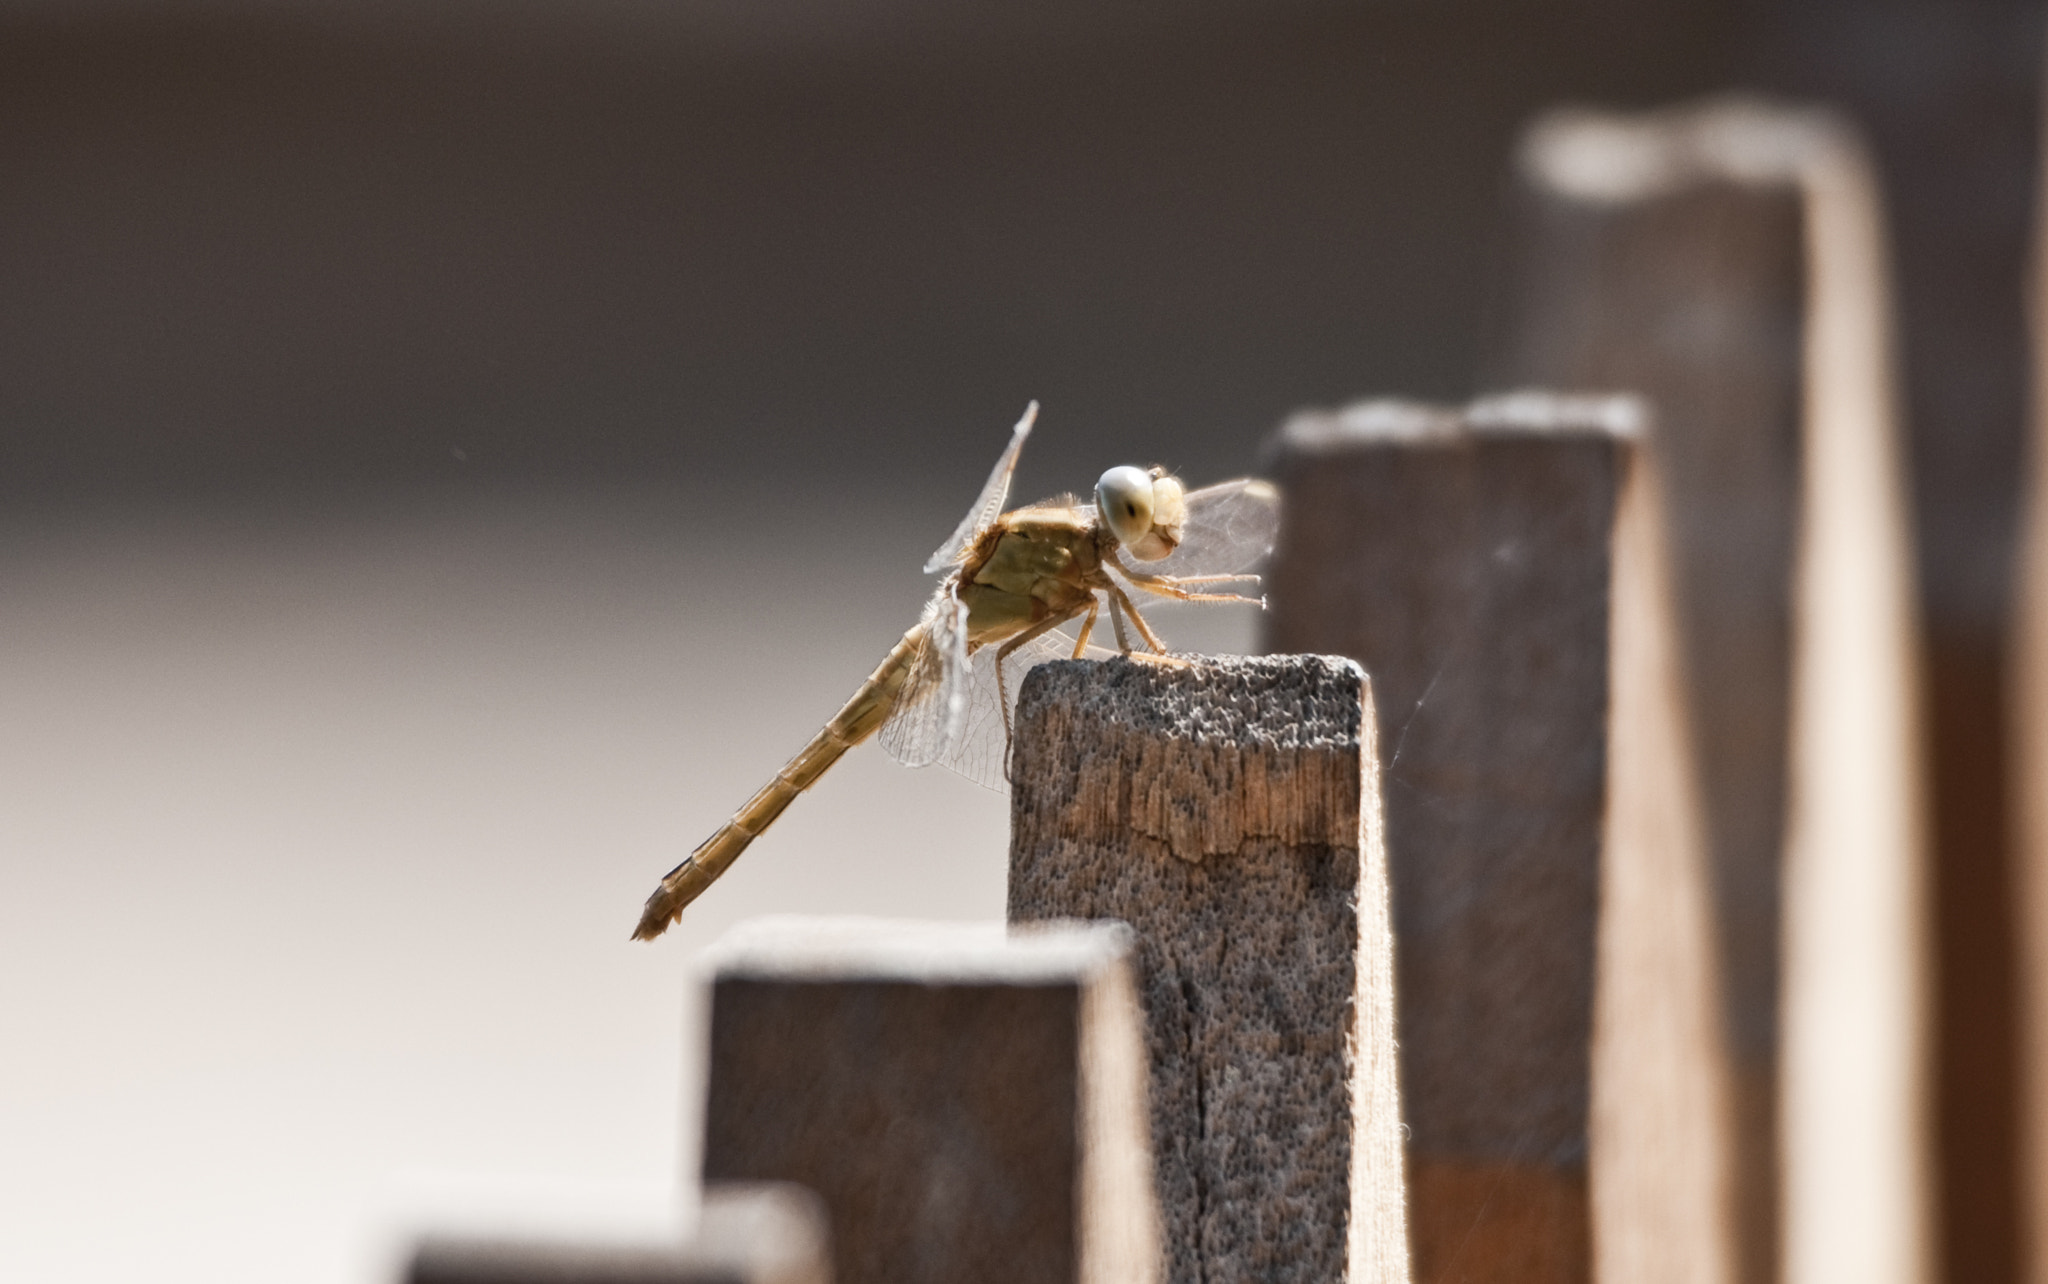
<point x="654" y="920"/>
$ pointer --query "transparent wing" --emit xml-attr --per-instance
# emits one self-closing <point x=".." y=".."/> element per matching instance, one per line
<point x="990" y="505"/>
<point x="916" y="734"/>
<point x="982" y="753"/>
<point x="931" y="710"/>
<point x="1230" y="530"/>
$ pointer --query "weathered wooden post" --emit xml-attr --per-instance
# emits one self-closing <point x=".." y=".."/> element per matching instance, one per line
<point x="1499" y="571"/>
<point x="1727" y="262"/>
<point x="745" y="1234"/>
<point x="1228" y="810"/>
<point x="968" y="1101"/>
<point x="2029" y="732"/>
<point x="1694" y="299"/>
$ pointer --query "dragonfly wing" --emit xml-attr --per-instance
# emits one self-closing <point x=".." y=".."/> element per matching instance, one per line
<point x="931" y="709"/>
<point x="982" y="750"/>
<point x="956" y="681"/>
<point x="952" y="710"/>
<point x="990" y="505"/>
<point x="1230" y="530"/>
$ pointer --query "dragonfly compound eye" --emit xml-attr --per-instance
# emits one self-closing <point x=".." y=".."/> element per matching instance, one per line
<point x="1124" y="499"/>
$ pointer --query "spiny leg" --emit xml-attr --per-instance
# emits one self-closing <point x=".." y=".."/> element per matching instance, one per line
<point x="1116" y="620"/>
<point x="1159" y="656"/>
<point x="1004" y="652"/>
<point x="1163" y="587"/>
<point x="1087" y="626"/>
<point x="1171" y="585"/>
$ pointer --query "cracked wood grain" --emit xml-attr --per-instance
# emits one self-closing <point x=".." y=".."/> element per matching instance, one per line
<point x="1229" y="812"/>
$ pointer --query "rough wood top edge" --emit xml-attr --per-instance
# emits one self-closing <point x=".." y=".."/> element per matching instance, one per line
<point x="1524" y="414"/>
<point x="447" y="1260"/>
<point x="1291" y="701"/>
<point x="1197" y="760"/>
<point x="792" y="947"/>
<point x="770" y="1232"/>
<point x="1615" y="158"/>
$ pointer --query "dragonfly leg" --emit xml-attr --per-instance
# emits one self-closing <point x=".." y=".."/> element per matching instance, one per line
<point x="1116" y="620"/>
<point x="1117" y="597"/>
<point x="1008" y="649"/>
<point x="1163" y="589"/>
<point x="1200" y="579"/>
<point x="1087" y="626"/>
<point x="1172" y="585"/>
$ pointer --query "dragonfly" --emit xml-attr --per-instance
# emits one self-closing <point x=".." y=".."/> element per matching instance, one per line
<point x="1012" y="580"/>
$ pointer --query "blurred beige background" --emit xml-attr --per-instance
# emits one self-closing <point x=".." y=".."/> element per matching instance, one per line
<point x="325" y="831"/>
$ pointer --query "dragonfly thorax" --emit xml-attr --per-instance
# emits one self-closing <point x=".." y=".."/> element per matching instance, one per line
<point x="1033" y="563"/>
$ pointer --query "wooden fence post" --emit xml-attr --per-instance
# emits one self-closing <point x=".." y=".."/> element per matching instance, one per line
<point x="2029" y="738"/>
<point x="1229" y="811"/>
<point x="1727" y="262"/>
<point x="1500" y="572"/>
<point x="762" y="1233"/>
<point x="969" y="1102"/>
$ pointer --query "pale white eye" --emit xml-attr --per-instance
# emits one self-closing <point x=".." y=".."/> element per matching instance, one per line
<point x="1124" y="498"/>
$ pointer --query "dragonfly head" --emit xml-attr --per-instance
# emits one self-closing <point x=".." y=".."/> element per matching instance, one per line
<point x="1145" y="509"/>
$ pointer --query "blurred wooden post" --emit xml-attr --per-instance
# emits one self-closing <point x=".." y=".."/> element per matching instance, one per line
<point x="2029" y="734"/>
<point x="969" y="1103"/>
<point x="759" y="1233"/>
<point x="1500" y="571"/>
<point x="1229" y="811"/>
<point x="1693" y="298"/>
<point x="1727" y="262"/>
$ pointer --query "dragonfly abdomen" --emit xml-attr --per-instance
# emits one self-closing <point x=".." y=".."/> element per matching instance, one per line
<point x="858" y="719"/>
